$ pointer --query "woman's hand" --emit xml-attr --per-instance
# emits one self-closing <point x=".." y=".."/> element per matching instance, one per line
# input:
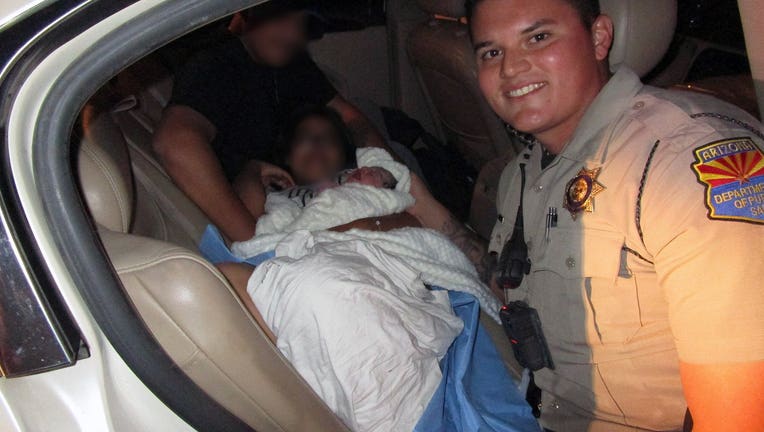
<point x="271" y="175"/>
<point x="251" y="185"/>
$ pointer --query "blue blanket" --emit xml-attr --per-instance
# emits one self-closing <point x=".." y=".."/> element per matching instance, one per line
<point x="476" y="393"/>
<point x="214" y="249"/>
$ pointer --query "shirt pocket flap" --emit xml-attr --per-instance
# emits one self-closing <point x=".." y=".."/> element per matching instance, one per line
<point x="574" y="254"/>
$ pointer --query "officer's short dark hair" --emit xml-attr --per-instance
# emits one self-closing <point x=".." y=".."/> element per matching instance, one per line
<point x="588" y="10"/>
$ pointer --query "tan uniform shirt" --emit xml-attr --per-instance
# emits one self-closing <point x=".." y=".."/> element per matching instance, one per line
<point x="619" y="309"/>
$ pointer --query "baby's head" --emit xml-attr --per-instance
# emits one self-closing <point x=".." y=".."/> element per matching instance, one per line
<point x="372" y="176"/>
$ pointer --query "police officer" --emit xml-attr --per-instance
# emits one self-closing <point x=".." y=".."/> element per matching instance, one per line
<point x="648" y="282"/>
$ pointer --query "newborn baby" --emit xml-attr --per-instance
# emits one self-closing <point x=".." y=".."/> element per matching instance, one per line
<point x="373" y="176"/>
<point x="369" y="176"/>
<point x="379" y="187"/>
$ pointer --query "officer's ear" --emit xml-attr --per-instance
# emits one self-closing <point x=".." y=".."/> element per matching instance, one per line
<point x="602" y="36"/>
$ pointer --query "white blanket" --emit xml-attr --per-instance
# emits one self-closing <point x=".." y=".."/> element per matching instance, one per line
<point x="438" y="261"/>
<point x="357" y="201"/>
<point x="344" y="204"/>
<point x="360" y="327"/>
<point x="350" y="310"/>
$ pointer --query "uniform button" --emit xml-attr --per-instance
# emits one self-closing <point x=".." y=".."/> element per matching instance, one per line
<point x="501" y="219"/>
<point x="570" y="262"/>
<point x="539" y="188"/>
<point x="639" y="105"/>
<point x="555" y="405"/>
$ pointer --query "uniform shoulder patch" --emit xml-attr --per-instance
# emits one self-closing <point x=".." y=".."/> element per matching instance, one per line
<point x="732" y="170"/>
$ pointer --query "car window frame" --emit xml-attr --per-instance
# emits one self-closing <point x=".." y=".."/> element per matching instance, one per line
<point x="74" y="233"/>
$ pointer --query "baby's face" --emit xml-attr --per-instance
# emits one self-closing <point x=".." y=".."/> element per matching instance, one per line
<point x="373" y="176"/>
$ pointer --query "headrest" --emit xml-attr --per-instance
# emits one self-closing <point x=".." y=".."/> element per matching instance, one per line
<point x="449" y="8"/>
<point x="150" y="85"/>
<point x="643" y="28"/>
<point x="104" y="171"/>
<point x="643" y="31"/>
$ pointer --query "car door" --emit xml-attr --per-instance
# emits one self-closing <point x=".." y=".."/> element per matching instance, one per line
<point x="73" y="353"/>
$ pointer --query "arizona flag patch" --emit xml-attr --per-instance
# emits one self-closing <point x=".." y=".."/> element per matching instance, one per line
<point x="733" y="172"/>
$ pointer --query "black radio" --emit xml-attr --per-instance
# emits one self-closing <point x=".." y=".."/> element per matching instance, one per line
<point x="523" y="327"/>
<point x="513" y="262"/>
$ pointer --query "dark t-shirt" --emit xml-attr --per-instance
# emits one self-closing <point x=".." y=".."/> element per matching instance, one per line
<point x="247" y="102"/>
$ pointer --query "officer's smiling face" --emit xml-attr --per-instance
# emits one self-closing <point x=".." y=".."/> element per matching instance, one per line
<point x="539" y="66"/>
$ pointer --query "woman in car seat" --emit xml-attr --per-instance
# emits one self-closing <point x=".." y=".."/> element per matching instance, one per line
<point x="315" y="147"/>
<point x="352" y="306"/>
<point x="318" y="153"/>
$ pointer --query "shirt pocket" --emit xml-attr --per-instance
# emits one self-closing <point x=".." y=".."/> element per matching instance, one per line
<point x="611" y="292"/>
<point x="589" y="262"/>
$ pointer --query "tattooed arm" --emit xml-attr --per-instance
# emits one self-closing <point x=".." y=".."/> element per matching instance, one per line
<point x="473" y="246"/>
<point x="432" y="214"/>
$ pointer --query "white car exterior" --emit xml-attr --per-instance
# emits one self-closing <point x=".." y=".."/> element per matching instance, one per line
<point x="99" y="393"/>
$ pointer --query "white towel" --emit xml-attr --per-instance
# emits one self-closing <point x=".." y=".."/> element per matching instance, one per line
<point x="342" y="204"/>
<point x="359" y="326"/>
<point x="377" y="157"/>
<point x="438" y="261"/>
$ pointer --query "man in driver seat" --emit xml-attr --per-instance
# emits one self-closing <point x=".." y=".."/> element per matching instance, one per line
<point x="229" y="104"/>
<point x="648" y="281"/>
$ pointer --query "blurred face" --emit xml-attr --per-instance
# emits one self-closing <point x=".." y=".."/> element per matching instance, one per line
<point x="276" y="42"/>
<point x="539" y="67"/>
<point x="316" y="152"/>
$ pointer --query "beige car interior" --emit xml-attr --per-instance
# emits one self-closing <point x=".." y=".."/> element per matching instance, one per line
<point x="441" y="53"/>
<point x="185" y="302"/>
<point x="150" y="229"/>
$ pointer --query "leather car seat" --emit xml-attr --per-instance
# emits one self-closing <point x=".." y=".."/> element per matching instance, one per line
<point x="441" y="52"/>
<point x="644" y="30"/>
<point x="187" y="304"/>
<point x="150" y="84"/>
<point x="443" y="59"/>
<point x="137" y="97"/>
